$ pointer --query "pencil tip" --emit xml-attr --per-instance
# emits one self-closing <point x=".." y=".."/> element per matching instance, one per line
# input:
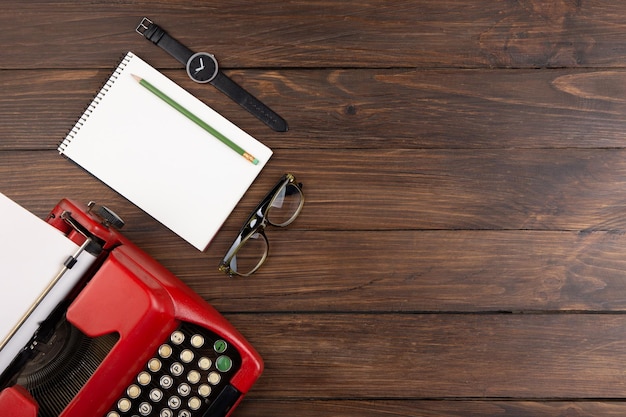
<point x="137" y="78"/>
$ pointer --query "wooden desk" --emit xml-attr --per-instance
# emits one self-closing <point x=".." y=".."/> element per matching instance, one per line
<point x="461" y="251"/>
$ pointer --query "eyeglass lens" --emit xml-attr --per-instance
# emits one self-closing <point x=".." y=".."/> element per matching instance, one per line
<point x="283" y="209"/>
<point x="250" y="254"/>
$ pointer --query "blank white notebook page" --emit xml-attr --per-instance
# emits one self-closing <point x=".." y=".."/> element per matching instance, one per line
<point x="159" y="159"/>
<point x="32" y="252"/>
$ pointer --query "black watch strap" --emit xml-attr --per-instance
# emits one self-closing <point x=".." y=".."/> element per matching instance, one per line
<point x="221" y="81"/>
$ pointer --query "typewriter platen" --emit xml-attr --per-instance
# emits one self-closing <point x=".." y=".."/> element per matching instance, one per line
<point x="130" y="340"/>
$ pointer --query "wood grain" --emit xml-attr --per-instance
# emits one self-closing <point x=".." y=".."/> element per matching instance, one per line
<point x="461" y="249"/>
<point x="445" y="356"/>
<point x="321" y="33"/>
<point x="436" y="271"/>
<point x="435" y="408"/>
<point x="574" y="190"/>
<point x="362" y="108"/>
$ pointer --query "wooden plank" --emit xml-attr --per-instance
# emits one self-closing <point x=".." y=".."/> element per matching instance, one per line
<point x="438" y="408"/>
<point x="387" y="264"/>
<point x="525" y="189"/>
<point x="384" y="270"/>
<point x="377" y="109"/>
<point x="394" y="356"/>
<point x="38" y="108"/>
<point x="409" y="271"/>
<point x="461" y="189"/>
<point x="318" y="33"/>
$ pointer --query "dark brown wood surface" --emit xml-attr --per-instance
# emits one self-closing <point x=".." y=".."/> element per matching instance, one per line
<point x="461" y="251"/>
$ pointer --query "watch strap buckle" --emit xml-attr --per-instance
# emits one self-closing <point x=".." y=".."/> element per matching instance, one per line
<point x="143" y="26"/>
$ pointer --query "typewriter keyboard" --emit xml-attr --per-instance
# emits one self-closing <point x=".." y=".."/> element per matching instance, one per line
<point x="183" y="378"/>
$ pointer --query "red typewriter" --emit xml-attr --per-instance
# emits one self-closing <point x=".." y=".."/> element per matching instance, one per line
<point x="129" y="339"/>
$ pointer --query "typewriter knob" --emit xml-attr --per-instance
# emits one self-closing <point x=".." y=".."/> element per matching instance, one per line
<point x="110" y="218"/>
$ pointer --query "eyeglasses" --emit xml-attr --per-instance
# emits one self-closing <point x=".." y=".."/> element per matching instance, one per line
<point x="280" y="207"/>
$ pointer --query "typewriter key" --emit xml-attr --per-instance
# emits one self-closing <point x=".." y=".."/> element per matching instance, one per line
<point x="145" y="409"/>
<point x="156" y="395"/>
<point x="214" y="378"/>
<point x="205" y="363"/>
<point x="174" y="402"/>
<point x="165" y="351"/>
<point x="220" y="346"/>
<point x="166" y="382"/>
<point x="144" y="378"/>
<point x="194" y="403"/>
<point x="204" y="390"/>
<point x="223" y="363"/>
<point x="186" y="356"/>
<point x="124" y="405"/>
<point x="177" y="337"/>
<point x="177" y="369"/>
<point x="194" y="377"/>
<point x="133" y="391"/>
<point x="197" y="341"/>
<point x="184" y="390"/>
<point x="154" y="365"/>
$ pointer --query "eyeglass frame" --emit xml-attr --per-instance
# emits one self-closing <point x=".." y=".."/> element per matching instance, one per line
<point x="260" y="215"/>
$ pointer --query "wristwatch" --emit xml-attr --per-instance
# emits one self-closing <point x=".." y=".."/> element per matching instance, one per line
<point x="202" y="67"/>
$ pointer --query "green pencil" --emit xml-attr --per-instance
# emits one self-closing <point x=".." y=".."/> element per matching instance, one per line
<point x="196" y="120"/>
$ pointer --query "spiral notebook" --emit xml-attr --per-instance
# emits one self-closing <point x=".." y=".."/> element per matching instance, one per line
<point x="160" y="160"/>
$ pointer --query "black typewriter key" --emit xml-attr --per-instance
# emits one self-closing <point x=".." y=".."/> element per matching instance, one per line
<point x="166" y="412"/>
<point x="184" y="413"/>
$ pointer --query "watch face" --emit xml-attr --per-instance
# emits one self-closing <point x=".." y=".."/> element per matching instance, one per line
<point x="202" y="67"/>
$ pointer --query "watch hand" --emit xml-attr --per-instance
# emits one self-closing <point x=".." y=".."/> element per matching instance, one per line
<point x="201" y="67"/>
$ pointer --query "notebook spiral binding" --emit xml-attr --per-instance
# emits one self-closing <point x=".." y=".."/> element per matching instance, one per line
<point x="94" y="102"/>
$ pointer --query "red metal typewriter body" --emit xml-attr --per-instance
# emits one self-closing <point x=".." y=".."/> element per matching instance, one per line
<point x="141" y="342"/>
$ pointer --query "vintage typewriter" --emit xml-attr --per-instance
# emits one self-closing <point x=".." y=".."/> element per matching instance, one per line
<point x="126" y="339"/>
